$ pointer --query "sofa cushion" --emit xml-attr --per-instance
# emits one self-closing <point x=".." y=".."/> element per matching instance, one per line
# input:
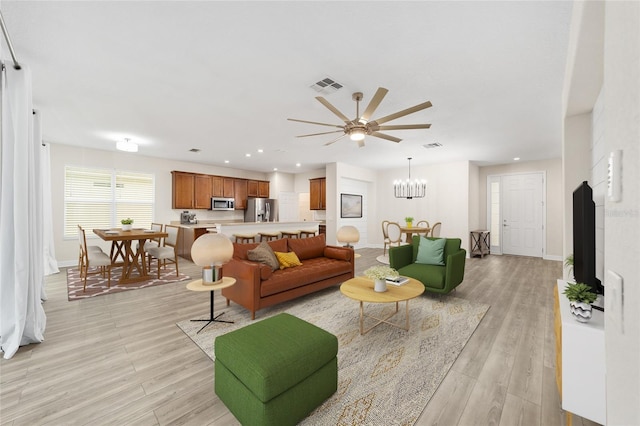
<point x="430" y="275"/>
<point x="451" y="246"/>
<point x="314" y="270"/>
<point x="265" y="272"/>
<point x="431" y="252"/>
<point x="288" y="260"/>
<point x="264" y="254"/>
<point x="337" y="253"/>
<point x="307" y="248"/>
<point x="240" y="250"/>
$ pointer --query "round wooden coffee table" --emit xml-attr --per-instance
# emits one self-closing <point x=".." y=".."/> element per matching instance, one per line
<point x="361" y="289"/>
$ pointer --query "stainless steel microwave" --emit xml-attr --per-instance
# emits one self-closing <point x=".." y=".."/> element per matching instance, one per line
<point x="222" y="203"/>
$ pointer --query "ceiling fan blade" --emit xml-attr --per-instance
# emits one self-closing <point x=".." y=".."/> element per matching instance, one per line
<point x="333" y="109"/>
<point x="361" y="144"/>
<point x="315" y="122"/>
<point x="404" y="127"/>
<point x="316" y="134"/>
<point x="375" y="101"/>
<point x="384" y="136"/>
<point x="335" y="140"/>
<point x="404" y="112"/>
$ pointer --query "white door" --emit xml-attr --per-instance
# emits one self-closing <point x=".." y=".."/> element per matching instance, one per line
<point x="522" y="211"/>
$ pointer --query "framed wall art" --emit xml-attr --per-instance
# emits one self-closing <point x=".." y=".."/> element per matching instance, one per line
<point x="350" y="205"/>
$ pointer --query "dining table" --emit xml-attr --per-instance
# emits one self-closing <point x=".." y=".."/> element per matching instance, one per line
<point x="133" y="262"/>
<point x="410" y="230"/>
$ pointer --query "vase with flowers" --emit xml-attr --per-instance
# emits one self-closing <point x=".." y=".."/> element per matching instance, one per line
<point x="127" y="224"/>
<point x="379" y="274"/>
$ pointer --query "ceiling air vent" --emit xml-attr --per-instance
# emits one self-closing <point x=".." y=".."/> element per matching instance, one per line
<point x="326" y="85"/>
<point x="432" y="145"/>
<point x="194" y="150"/>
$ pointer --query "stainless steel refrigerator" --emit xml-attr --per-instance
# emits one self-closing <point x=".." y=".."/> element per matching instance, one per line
<point x="261" y="210"/>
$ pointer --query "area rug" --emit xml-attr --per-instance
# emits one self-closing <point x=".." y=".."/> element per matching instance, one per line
<point x="97" y="285"/>
<point x="384" y="377"/>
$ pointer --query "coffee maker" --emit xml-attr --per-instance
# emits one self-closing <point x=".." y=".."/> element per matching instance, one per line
<point x="187" y="218"/>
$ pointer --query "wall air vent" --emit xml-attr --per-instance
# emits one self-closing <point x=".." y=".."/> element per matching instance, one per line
<point x="194" y="150"/>
<point x="326" y="86"/>
<point x="432" y="145"/>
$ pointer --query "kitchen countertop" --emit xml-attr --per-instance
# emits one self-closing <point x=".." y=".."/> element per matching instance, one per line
<point x="213" y="224"/>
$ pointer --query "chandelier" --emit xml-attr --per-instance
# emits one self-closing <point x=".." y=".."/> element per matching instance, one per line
<point x="410" y="189"/>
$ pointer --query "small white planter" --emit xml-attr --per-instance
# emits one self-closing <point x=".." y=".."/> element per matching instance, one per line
<point x="580" y="311"/>
<point x="127" y="227"/>
<point x="380" y="285"/>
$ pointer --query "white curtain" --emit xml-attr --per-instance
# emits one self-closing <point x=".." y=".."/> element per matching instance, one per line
<point x="22" y="318"/>
<point x="48" y="246"/>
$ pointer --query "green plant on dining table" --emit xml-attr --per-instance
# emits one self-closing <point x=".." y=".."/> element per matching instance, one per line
<point x="409" y="221"/>
<point x="127" y="221"/>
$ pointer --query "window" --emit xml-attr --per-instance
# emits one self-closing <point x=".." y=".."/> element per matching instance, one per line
<point x="100" y="198"/>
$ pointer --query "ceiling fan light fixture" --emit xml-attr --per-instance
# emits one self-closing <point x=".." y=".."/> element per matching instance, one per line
<point x="127" y="146"/>
<point x="357" y="134"/>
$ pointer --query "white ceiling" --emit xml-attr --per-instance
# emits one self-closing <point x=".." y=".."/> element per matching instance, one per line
<point x="224" y="77"/>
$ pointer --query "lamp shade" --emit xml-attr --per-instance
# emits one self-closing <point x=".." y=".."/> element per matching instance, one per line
<point x="211" y="249"/>
<point x="348" y="234"/>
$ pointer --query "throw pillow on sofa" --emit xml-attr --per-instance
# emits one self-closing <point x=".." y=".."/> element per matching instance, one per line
<point x="264" y="254"/>
<point x="431" y="252"/>
<point x="288" y="260"/>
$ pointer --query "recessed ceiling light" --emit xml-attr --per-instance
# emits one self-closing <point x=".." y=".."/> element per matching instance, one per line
<point x="226" y="161"/>
<point x="275" y="169"/>
<point x="297" y="164"/>
<point x="516" y="158"/>
<point x="260" y="151"/>
<point x="247" y="155"/>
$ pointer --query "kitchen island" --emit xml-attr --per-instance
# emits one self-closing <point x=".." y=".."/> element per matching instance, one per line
<point x="190" y="232"/>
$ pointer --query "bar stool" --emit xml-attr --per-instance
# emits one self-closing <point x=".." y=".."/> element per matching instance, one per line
<point x="245" y="238"/>
<point x="306" y="233"/>
<point x="268" y="236"/>
<point x="290" y="234"/>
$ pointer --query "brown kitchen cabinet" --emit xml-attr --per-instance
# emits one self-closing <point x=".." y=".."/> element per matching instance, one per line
<point x="187" y="237"/>
<point x="228" y="187"/>
<point x="216" y="186"/>
<point x="240" y="194"/>
<point x="252" y="188"/>
<point x="263" y="189"/>
<point x="258" y="188"/>
<point x="317" y="194"/>
<point x="202" y="192"/>
<point x="182" y="190"/>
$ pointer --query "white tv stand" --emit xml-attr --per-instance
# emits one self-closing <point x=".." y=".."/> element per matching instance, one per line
<point x="581" y="361"/>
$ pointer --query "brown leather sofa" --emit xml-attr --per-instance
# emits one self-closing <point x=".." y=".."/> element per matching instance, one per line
<point x="258" y="286"/>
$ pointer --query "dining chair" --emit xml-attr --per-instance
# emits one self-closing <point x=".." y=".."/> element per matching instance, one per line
<point x="168" y="251"/>
<point x="423" y="224"/>
<point x="394" y="234"/>
<point x="90" y="259"/>
<point x="90" y="249"/>
<point x="150" y="243"/>
<point x="435" y="230"/>
<point x="385" y="235"/>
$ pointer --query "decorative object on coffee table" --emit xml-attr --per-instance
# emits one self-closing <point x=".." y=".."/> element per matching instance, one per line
<point x="580" y="299"/>
<point x="379" y="274"/>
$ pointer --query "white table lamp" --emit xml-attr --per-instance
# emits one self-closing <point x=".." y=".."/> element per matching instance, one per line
<point x="210" y="251"/>
<point x="348" y="234"/>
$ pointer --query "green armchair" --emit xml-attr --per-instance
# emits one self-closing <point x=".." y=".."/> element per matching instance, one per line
<point x="436" y="278"/>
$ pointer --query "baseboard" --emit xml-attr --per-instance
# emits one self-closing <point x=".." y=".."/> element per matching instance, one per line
<point x="552" y="257"/>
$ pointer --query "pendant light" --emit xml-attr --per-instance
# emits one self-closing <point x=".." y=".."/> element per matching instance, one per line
<point x="410" y="189"/>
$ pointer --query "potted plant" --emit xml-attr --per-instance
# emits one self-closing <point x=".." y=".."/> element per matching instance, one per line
<point x="568" y="263"/>
<point x="379" y="274"/>
<point x="127" y="224"/>
<point x="580" y="299"/>
<point x="409" y="221"/>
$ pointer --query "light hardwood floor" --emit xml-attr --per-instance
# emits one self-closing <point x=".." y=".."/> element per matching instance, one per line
<point x="120" y="359"/>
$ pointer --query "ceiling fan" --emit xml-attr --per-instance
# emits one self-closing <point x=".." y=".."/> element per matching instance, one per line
<point x="361" y="126"/>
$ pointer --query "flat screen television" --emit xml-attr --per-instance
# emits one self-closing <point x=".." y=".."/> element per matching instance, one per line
<point x="584" y="238"/>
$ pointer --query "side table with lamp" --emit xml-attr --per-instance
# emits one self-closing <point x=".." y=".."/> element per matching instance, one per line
<point x="211" y="251"/>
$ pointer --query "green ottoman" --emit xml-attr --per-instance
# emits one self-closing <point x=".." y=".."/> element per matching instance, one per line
<point x="276" y="371"/>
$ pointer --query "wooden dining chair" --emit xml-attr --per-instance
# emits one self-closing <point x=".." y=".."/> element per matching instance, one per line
<point x="435" y="231"/>
<point x="394" y="234"/>
<point x="423" y="224"/>
<point x="168" y="251"/>
<point x="89" y="249"/>
<point x="89" y="259"/>
<point x="150" y="243"/>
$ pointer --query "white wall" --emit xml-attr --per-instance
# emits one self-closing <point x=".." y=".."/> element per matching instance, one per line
<point x="474" y="198"/>
<point x="62" y="155"/>
<point x="622" y="220"/>
<point x="554" y="200"/>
